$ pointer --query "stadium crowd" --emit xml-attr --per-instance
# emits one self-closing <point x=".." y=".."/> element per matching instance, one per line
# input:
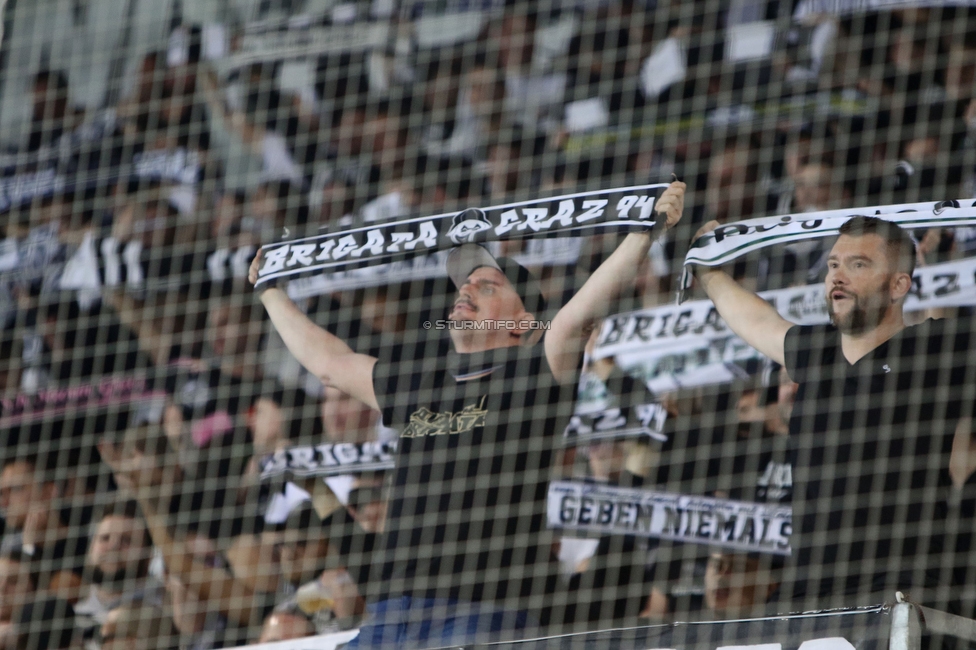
<point x="141" y="383"/>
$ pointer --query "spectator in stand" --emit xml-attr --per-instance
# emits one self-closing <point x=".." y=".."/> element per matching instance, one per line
<point x="302" y="546"/>
<point x="733" y="175"/>
<point x="226" y="227"/>
<point x="346" y="419"/>
<point x="148" y="88"/>
<point x="960" y="74"/>
<point x="464" y="103"/>
<point x="511" y="166"/>
<point x="279" y="130"/>
<point x="30" y="498"/>
<point x="761" y="468"/>
<point x="51" y="113"/>
<point x="19" y="493"/>
<point x="532" y="99"/>
<point x="138" y="625"/>
<point x="239" y="584"/>
<point x="481" y="102"/>
<point x="202" y="626"/>
<point x="736" y="585"/>
<point x="168" y="139"/>
<point x="759" y="414"/>
<point x="816" y="187"/>
<point x="275" y="419"/>
<point x="273" y="206"/>
<point x="17" y="588"/>
<point x="81" y="345"/>
<point x="144" y="213"/>
<point x="599" y="62"/>
<point x="118" y="566"/>
<point x="215" y="389"/>
<point x="368" y="501"/>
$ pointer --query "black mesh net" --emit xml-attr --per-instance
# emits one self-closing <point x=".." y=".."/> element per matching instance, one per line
<point x="528" y="438"/>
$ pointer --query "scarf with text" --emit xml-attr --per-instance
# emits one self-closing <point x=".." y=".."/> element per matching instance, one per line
<point x="731" y="241"/>
<point x="620" y="209"/>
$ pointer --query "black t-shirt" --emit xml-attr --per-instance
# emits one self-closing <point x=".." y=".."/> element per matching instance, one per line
<point x="467" y="512"/>
<point x="871" y="444"/>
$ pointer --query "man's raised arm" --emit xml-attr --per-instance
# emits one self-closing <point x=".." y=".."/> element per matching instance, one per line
<point x="571" y="327"/>
<point x="321" y="353"/>
<point x="753" y="319"/>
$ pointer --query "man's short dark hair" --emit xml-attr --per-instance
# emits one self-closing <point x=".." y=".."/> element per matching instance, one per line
<point x="898" y="243"/>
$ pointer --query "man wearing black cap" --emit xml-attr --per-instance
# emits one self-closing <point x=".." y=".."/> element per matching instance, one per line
<point x="467" y="555"/>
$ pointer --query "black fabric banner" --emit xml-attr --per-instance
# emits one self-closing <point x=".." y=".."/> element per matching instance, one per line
<point x="620" y="209"/>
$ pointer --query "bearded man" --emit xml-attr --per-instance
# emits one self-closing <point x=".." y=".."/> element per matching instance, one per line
<point x="876" y="410"/>
<point x="118" y="565"/>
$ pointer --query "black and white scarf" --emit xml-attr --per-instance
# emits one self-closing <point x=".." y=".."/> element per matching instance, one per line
<point x="731" y="241"/>
<point x="620" y="209"/>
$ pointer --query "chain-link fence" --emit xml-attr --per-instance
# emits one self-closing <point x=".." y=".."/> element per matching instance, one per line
<point x="463" y="404"/>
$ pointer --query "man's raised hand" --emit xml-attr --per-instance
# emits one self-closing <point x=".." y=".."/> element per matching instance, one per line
<point x="704" y="230"/>
<point x="252" y="272"/>
<point x="672" y="203"/>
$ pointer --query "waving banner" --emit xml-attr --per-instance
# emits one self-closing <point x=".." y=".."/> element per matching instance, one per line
<point x="733" y="240"/>
<point x="603" y="509"/>
<point x="951" y="284"/>
<point x="628" y="208"/>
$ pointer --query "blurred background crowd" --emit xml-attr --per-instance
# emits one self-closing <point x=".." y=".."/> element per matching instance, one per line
<point x="149" y="148"/>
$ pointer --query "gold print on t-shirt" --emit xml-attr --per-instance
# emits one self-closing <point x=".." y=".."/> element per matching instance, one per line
<point x="424" y="422"/>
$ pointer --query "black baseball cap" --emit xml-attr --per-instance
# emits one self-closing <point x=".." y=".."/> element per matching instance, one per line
<point x="464" y="259"/>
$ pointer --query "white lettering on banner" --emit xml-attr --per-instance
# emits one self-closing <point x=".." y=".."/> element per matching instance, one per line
<point x="375" y="244"/>
<point x="738" y="525"/>
<point x="274" y="260"/>
<point x="952" y="284"/>
<point x="344" y="247"/>
<point x="592" y="210"/>
<point x="564" y="215"/>
<point x="428" y="236"/>
<point x="627" y="203"/>
<point x="326" y="253"/>
<point x="731" y="241"/>
<point x="534" y="219"/>
<point x="301" y="254"/>
<point x="340" y="252"/>
<point x="329" y="459"/>
<point x="399" y="238"/>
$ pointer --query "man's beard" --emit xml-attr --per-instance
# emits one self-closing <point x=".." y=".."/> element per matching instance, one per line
<point x="119" y="578"/>
<point x="862" y="317"/>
